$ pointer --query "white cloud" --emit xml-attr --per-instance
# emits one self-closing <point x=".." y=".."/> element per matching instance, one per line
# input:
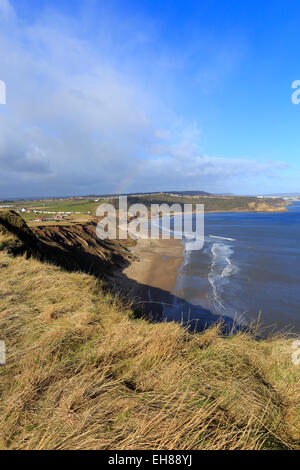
<point x="6" y="10"/>
<point x="75" y="122"/>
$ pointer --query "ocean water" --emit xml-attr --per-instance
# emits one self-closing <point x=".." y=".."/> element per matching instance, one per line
<point x="249" y="267"/>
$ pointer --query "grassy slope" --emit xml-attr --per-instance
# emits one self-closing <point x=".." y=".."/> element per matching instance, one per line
<point x="215" y="203"/>
<point x="85" y="205"/>
<point x="82" y="373"/>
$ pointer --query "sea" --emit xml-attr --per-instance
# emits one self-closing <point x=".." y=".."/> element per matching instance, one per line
<point x="247" y="273"/>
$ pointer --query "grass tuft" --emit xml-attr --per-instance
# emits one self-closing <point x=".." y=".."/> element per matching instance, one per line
<point x="81" y="373"/>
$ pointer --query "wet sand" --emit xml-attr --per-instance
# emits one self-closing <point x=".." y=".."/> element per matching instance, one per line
<point x="152" y="284"/>
<point x="159" y="261"/>
<point x="156" y="270"/>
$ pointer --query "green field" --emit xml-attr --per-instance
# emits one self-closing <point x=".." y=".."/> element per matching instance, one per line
<point x="82" y="206"/>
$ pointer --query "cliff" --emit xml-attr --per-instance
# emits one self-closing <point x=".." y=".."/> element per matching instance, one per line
<point x="83" y="373"/>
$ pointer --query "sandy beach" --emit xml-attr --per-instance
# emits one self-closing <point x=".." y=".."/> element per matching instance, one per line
<point x="159" y="261"/>
<point x="155" y="272"/>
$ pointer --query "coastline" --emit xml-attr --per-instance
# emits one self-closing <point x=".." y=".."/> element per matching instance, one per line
<point x="155" y="272"/>
<point x="254" y="211"/>
<point x="158" y="263"/>
<point x="151" y="278"/>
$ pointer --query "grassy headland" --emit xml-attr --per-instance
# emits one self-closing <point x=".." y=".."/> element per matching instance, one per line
<point x="66" y="211"/>
<point x="83" y="373"/>
<point x="214" y="203"/>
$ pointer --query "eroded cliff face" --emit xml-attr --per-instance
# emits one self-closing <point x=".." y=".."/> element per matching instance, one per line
<point x="264" y="207"/>
<point x="74" y="247"/>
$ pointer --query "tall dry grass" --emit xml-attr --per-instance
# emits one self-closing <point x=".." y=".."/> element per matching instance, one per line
<point x="81" y="373"/>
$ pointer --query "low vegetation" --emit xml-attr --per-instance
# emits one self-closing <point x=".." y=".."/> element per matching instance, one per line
<point x="83" y="209"/>
<point x="214" y="203"/>
<point x="83" y="373"/>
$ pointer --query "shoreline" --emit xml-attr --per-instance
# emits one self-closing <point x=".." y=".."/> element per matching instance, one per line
<point x="152" y="278"/>
<point x="155" y="272"/>
<point x="158" y="263"/>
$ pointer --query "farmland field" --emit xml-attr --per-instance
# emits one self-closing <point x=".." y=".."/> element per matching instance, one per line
<point x="79" y="209"/>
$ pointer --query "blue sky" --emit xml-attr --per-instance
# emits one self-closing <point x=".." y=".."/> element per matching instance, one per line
<point x="148" y="95"/>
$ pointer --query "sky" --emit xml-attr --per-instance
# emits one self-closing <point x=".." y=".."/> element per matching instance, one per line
<point x="138" y="95"/>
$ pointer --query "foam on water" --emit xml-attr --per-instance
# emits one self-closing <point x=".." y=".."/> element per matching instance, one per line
<point x="222" y="268"/>
<point x="220" y="250"/>
<point x="253" y="270"/>
<point x="223" y="238"/>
